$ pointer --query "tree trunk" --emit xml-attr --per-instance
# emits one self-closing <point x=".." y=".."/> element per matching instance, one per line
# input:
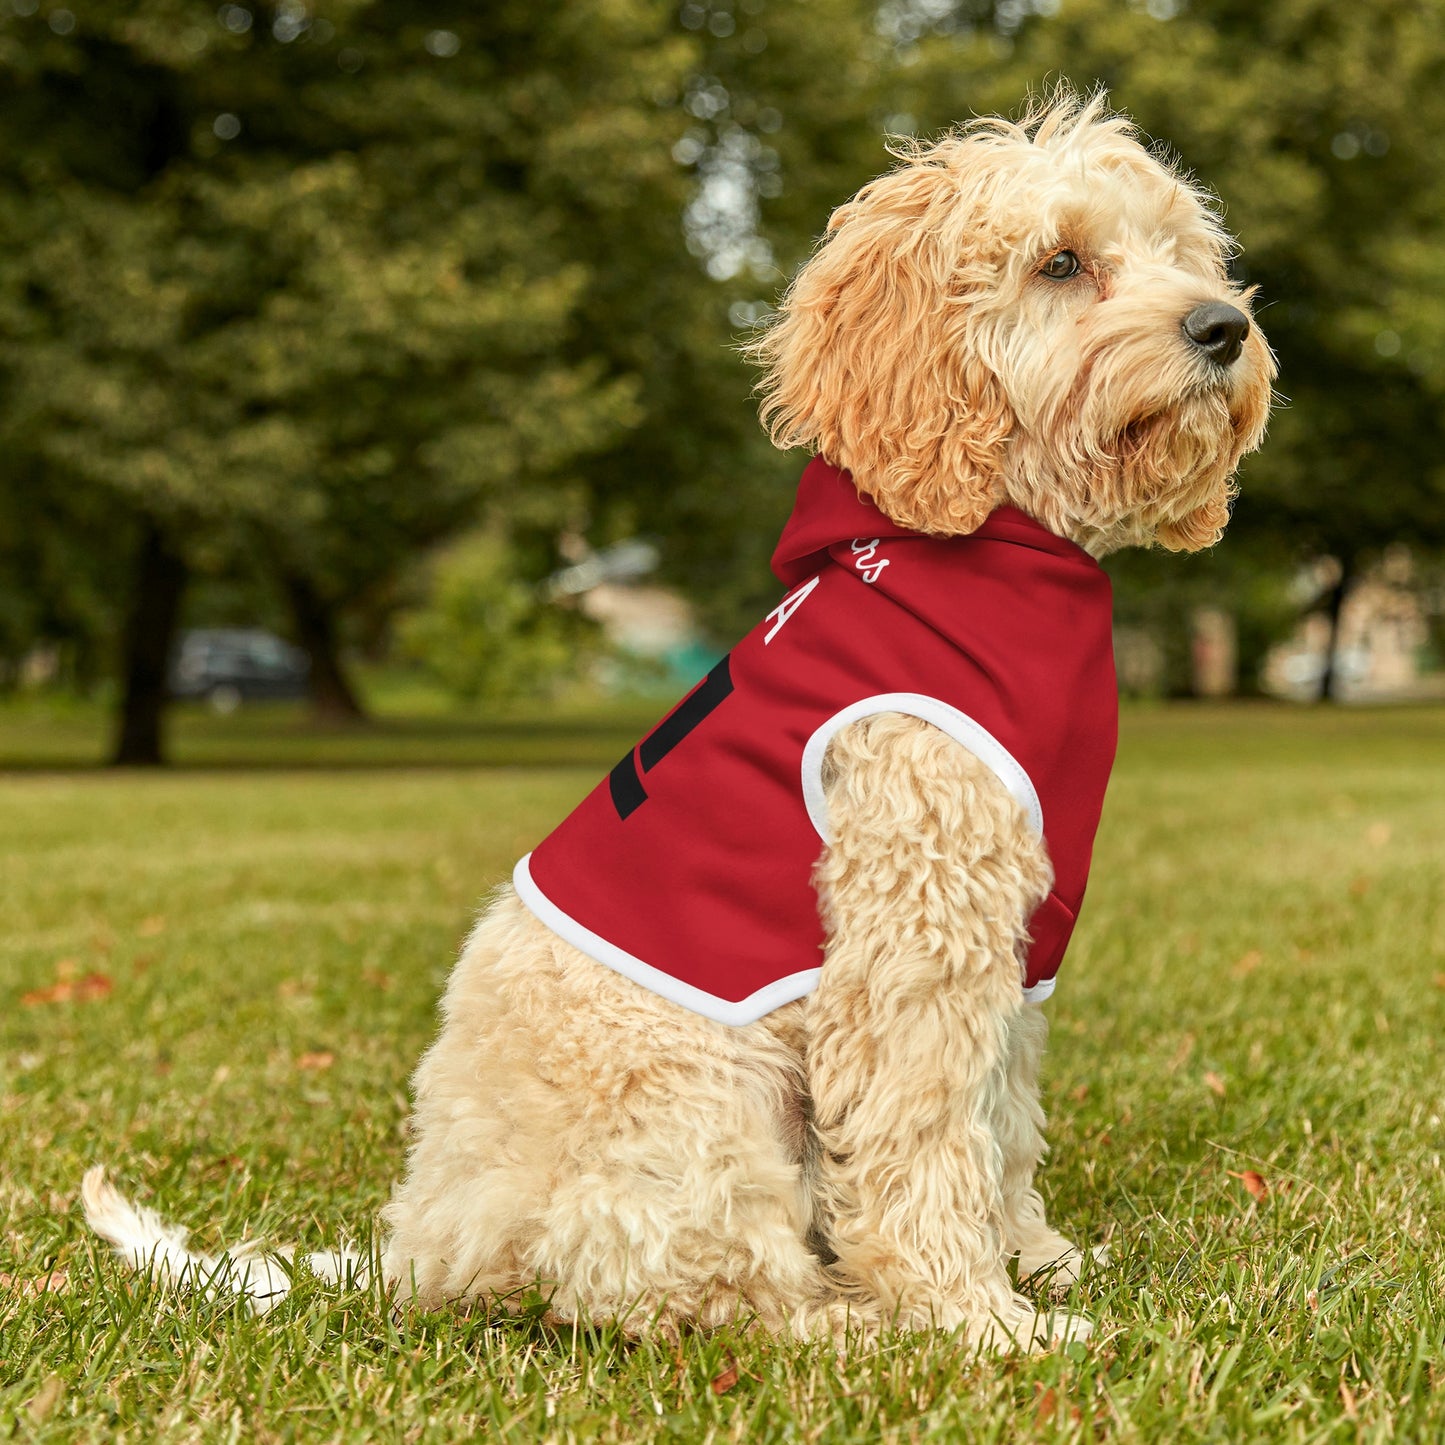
<point x="1329" y="678"/>
<point x="150" y="631"/>
<point x="333" y="699"/>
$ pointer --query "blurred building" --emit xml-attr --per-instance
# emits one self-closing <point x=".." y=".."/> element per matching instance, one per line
<point x="1382" y="650"/>
<point x="653" y="631"/>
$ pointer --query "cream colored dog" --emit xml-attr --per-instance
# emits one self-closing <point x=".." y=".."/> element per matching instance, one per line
<point x="1035" y="314"/>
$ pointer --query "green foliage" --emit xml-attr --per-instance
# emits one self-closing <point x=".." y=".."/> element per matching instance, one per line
<point x="317" y="286"/>
<point x="485" y="633"/>
<point x="322" y="297"/>
<point x="1264" y="913"/>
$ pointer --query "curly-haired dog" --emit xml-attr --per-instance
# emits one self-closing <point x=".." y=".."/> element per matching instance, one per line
<point x="1017" y="351"/>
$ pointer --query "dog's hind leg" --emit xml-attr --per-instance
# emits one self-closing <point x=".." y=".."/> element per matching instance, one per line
<point x="577" y="1135"/>
<point x="926" y="889"/>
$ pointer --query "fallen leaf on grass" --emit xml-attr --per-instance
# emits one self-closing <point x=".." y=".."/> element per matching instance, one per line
<point x="1080" y="1094"/>
<point x="1377" y="834"/>
<point x="1214" y="1083"/>
<point x="1248" y="963"/>
<point x="1255" y="1183"/>
<point x="45" y="1399"/>
<point x="80" y="990"/>
<point x="1440" y="980"/>
<point x="1046" y="1408"/>
<point x="1181" y="1054"/>
<point x="377" y="978"/>
<point x="56" y="1282"/>
<point x="724" y="1382"/>
<point x="320" y="1059"/>
<point x="151" y="927"/>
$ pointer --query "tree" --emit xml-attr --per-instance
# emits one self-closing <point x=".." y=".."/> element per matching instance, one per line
<point x="306" y="287"/>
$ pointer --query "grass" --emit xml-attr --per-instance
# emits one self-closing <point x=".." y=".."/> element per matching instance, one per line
<point x="217" y="980"/>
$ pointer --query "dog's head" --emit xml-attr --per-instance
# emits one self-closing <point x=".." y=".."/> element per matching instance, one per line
<point x="1036" y="313"/>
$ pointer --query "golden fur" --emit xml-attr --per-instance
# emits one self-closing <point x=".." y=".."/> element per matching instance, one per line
<point x="921" y="349"/>
<point x="864" y="1156"/>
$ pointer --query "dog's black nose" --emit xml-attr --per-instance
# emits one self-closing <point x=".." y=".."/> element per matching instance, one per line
<point x="1218" y="331"/>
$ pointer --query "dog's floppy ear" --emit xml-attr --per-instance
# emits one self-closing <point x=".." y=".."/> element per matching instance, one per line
<point x="872" y="360"/>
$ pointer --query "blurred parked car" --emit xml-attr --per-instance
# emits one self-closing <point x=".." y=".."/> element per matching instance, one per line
<point x="230" y="665"/>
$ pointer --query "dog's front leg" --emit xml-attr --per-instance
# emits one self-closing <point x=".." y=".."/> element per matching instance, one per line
<point x="1042" y="1251"/>
<point x="926" y="888"/>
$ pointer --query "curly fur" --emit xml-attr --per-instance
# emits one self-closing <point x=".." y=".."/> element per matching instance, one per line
<point x="866" y="1156"/>
<point x="921" y="349"/>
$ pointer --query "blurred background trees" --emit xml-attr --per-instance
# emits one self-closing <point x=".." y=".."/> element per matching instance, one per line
<point x="293" y="295"/>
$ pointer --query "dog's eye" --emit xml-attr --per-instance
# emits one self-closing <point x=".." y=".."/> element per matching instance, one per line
<point x="1060" y="266"/>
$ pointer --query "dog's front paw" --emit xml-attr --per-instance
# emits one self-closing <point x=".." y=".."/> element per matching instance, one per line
<point x="1057" y="1266"/>
<point x="1023" y="1326"/>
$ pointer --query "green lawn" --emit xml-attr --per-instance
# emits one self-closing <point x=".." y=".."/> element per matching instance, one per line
<point x="217" y="979"/>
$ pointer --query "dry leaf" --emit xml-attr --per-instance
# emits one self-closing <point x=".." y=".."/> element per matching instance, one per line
<point x="151" y="927"/>
<point x="1440" y="980"/>
<point x="1046" y="1408"/>
<point x="1248" y="963"/>
<point x="1214" y="1083"/>
<point x="45" y="1399"/>
<point x="1377" y="834"/>
<point x="1253" y="1182"/>
<point x="56" y="993"/>
<point x="1181" y="1054"/>
<point x="56" y="1282"/>
<point x="82" y="990"/>
<point x="724" y="1382"/>
<point x="1080" y="1094"/>
<point x="320" y="1059"/>
<point x="377" y="978"/>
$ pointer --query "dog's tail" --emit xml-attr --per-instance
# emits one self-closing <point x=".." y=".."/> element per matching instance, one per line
<point x="147" y="1243"/>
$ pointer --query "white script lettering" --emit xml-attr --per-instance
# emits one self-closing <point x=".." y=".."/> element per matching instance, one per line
<point x="863" y="554"/>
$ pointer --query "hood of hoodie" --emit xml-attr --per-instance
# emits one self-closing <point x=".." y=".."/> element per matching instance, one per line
<point x="830" y="510"/>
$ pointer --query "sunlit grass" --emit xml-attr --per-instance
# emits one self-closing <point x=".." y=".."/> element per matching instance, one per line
<point x="231" y="972"/>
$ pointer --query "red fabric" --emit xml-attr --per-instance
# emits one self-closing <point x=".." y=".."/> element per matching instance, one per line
<point x="708" y="880"/>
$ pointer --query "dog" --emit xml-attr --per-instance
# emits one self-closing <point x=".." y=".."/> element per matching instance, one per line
<point x="744" y="1071"/>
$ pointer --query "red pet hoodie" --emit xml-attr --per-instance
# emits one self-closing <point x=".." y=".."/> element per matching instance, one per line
<point x="689" y="868"/>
